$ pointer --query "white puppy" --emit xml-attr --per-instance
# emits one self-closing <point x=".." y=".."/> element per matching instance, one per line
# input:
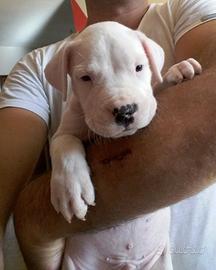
<point x="113" y="71"/>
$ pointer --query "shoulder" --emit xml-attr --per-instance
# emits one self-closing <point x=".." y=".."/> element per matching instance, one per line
<point x="30" y="68"/>
<point x="41" y="56"/>
<point x="26" y="86"/>
<point x="177" y="6"/>
<point x="188" y="14"/>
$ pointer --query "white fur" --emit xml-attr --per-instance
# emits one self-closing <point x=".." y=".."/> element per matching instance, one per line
<point x="108" y="53"/>
<point x="184" y="70"/>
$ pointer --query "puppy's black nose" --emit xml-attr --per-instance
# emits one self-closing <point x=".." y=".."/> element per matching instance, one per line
<point x="124" y="114"/>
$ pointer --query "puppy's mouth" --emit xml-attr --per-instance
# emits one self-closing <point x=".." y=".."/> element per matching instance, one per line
<point x="112" y="133"/>
<point x="126" y="132"/>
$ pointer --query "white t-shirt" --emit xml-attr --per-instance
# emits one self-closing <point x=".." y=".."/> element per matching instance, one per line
<point x="166" y="23"/>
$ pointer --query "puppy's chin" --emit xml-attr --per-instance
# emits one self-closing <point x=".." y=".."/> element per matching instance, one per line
<point x="118" y="131"/>
<point x="114" y="132"/>
<point x="125" y="132"/>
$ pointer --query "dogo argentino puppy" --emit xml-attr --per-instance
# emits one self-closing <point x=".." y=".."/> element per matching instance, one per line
<point x="113" y="71"/>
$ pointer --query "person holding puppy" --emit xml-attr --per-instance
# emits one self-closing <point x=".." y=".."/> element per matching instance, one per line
<point x="29" y="108"/>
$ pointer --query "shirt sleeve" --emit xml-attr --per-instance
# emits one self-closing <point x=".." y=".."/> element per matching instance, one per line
<point x="188" y="14"/>
<point x="24" y="87"/>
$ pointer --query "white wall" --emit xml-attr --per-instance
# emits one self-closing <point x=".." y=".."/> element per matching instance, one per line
<point x="9" y="56"/>
<point x="29" y="24"/>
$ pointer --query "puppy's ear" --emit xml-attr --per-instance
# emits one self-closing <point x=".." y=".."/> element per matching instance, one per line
<point x="57" y="69"/>
<point x="155" y="55"/>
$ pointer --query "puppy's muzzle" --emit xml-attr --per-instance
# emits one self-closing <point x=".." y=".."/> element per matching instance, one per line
<point x="124" y="115"/>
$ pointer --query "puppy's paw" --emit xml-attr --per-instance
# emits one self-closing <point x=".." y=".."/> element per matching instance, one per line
<point x="72" y="190"/>
<point x="185" y="70"/>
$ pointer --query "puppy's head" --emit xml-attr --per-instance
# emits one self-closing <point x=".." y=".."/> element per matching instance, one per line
<point x="111" y="68"/>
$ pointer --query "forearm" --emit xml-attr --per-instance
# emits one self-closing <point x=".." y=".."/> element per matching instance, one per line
<point x="22" y="137"/>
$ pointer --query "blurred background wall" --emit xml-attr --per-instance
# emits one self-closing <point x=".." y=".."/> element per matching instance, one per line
<point x="29" y="24"/>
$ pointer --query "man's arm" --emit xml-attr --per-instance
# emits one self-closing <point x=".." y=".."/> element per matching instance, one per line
<point x="172" y="159"/>
<point x="22" y="136"/>
<point x="198" y="43"/>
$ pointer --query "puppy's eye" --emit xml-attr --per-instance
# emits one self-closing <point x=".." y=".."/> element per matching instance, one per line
<point x="86" y="78"/>
<point x="139" y="68"/>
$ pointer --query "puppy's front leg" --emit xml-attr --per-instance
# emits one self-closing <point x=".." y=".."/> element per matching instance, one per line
<point x="71" y="186"/>
<point x="184" y="70"/>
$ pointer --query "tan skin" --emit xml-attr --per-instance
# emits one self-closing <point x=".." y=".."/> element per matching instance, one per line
<point x="20" y="129"/>
<point x="40" y="230"/>
<point x="126" y="12"/>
